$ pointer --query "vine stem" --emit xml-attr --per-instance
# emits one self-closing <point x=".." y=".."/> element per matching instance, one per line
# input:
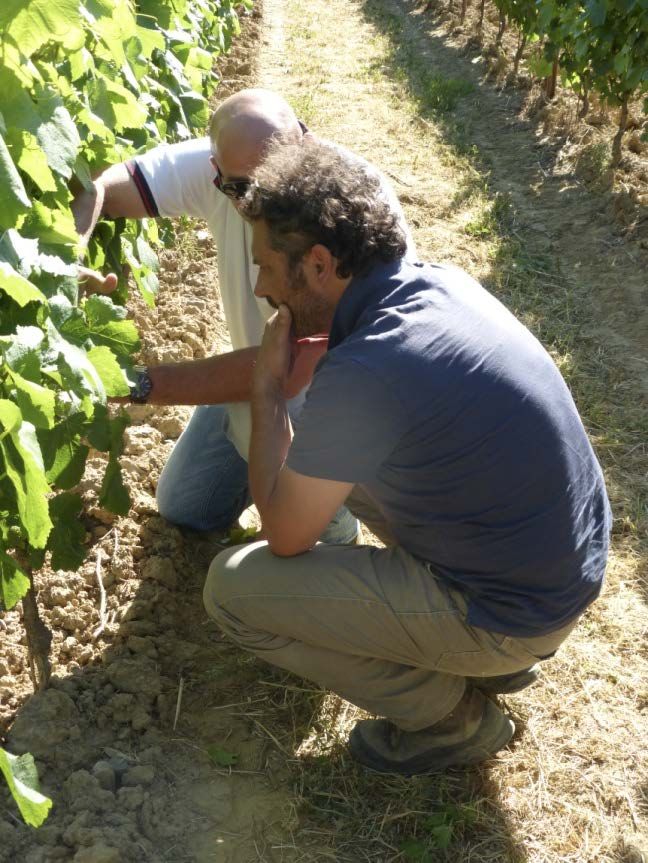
<point x="39" y="637"/>
<point x="623" y="122"/>
<point x="102" y="597"/>
<point x="519" y="53"/>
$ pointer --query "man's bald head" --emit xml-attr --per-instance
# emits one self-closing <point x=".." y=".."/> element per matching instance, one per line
<point x="243" y="125"/>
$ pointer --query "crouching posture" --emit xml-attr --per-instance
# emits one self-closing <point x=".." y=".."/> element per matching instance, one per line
<point x="447" y="428"/>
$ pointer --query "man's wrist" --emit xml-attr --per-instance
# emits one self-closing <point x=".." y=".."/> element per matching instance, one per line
<point x="264" y="384"/>
<point x="140" y="392"/>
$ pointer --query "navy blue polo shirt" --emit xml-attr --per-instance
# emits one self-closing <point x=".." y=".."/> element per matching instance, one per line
<point x="457" y="423"/>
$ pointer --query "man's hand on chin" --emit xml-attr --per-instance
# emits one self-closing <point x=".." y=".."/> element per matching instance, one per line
<point x="276" y="357"/>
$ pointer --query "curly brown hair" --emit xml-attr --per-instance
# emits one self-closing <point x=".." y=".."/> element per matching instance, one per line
<point x="311" y="193"/>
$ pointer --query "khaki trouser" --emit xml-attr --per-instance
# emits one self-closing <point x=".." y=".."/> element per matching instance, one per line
<point x="375" y="625"/>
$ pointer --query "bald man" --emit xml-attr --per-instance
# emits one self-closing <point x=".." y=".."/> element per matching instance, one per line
<point x="204" y="484"/>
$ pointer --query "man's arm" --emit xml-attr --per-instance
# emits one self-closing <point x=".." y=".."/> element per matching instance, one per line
<point x="213" y="380"/>
<point x="114" y="194"/>
<point x="294" y="508"/>
<point x="227" y="377"/>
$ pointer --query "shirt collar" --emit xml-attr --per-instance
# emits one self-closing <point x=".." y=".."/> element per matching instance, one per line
<point x="362" y="295"/>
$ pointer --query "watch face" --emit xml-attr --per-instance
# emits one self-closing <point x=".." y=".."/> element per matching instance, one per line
<point x="142" y="389"/>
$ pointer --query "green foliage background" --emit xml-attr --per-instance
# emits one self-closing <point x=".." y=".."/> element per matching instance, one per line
<point x="85" y="84"/>
<point x="601" y="45"/>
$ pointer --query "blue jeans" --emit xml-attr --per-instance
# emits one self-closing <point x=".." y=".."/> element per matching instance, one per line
<point x="204" y="484"/>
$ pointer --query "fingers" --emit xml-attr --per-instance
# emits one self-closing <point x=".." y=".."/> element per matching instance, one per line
<point x="93" y="282"/>
<point x="284" y="317"/>
<point x="110" y="283"/>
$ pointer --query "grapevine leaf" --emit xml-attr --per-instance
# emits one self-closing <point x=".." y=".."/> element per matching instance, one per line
<point x="64" y="455"/>
<point x="25" y="470"/>
<point x="101" y="310"/>
<point x="147" y="256"/>
<point x="74" y="365"/>
<point x="195" y="108"/>
<point x="31" y="159"/>
<point x="20" y="252"/>
<point x="22" y="352"/>
<point x="116" y="29"/>
<point x="10" y="417"/>
<point x="598" y="11"/>
<point x="51" y="225"/>
<point x="83" y="174"/>
<point x="145" y="280"/>
<point x="56" y="266"/>
<point x="58" y="288"/>
<point x="35" y="402"/>
<point x="57" y="133"/>
<point x="99" y="432"/>
<point x="13" y="197"/>
<point x="114" y="495"/>
<point x="109" y="370"/>
<point x="107" y="326"/>
<point x="20" y="774"/>
<point x="68" y="534"/>
<point x="19" y="288"/>
<point x="14" y="584"/>
<point x="33" y="23"/>
<point x="80" y="61"/>
<point x="150" y="40"/>
<point x="117" y="106"/>
<point x="68" y="319"/>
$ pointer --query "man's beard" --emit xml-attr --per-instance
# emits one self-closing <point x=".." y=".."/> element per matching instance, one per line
<point x="311" y="313"/>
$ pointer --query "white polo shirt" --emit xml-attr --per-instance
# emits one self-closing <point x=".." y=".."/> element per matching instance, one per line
<point x="178" y="180"/>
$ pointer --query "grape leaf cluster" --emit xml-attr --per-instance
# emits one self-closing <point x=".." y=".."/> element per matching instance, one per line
<point x="84" y="85"/>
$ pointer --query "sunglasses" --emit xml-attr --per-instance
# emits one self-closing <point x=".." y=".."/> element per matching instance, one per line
<point x="235" y="189"/>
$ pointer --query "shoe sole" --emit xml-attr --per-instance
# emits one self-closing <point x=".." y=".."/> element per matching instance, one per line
<point x="462" y="755"/>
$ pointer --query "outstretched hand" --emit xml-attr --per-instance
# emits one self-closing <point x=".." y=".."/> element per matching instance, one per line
<point x="92" y="282"/>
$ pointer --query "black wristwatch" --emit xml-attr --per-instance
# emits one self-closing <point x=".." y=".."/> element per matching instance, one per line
<point x="141" y="390"/>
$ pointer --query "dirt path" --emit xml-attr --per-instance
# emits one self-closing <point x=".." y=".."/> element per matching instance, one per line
<point x="124" y="737"/>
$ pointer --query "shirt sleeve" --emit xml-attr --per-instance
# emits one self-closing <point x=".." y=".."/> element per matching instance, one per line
<point x="349" y="425"/>
<point x="176" y="179"/>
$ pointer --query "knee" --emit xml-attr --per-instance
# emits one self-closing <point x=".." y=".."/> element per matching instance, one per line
<point x="166" y="498"/>
<point x="230" y="576"/>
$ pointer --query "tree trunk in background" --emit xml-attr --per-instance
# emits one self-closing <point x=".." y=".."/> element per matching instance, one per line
<point x="519" y="53"/>
<point x="623" y="122"/>
<point x="502" y="29"/>
<point x="550" y="83"/>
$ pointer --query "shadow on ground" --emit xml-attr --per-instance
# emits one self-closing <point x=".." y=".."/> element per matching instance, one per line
<point x="180" y="747"/>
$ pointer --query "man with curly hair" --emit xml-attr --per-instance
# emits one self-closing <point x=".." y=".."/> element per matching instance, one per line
<point x="441" y="421"/>
<point x="204" y="484"/>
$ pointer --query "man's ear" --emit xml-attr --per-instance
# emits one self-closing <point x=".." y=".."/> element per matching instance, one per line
<point x="322" y="262"/>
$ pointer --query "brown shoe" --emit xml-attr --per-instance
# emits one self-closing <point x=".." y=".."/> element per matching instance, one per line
<point x="475" y="730"/>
